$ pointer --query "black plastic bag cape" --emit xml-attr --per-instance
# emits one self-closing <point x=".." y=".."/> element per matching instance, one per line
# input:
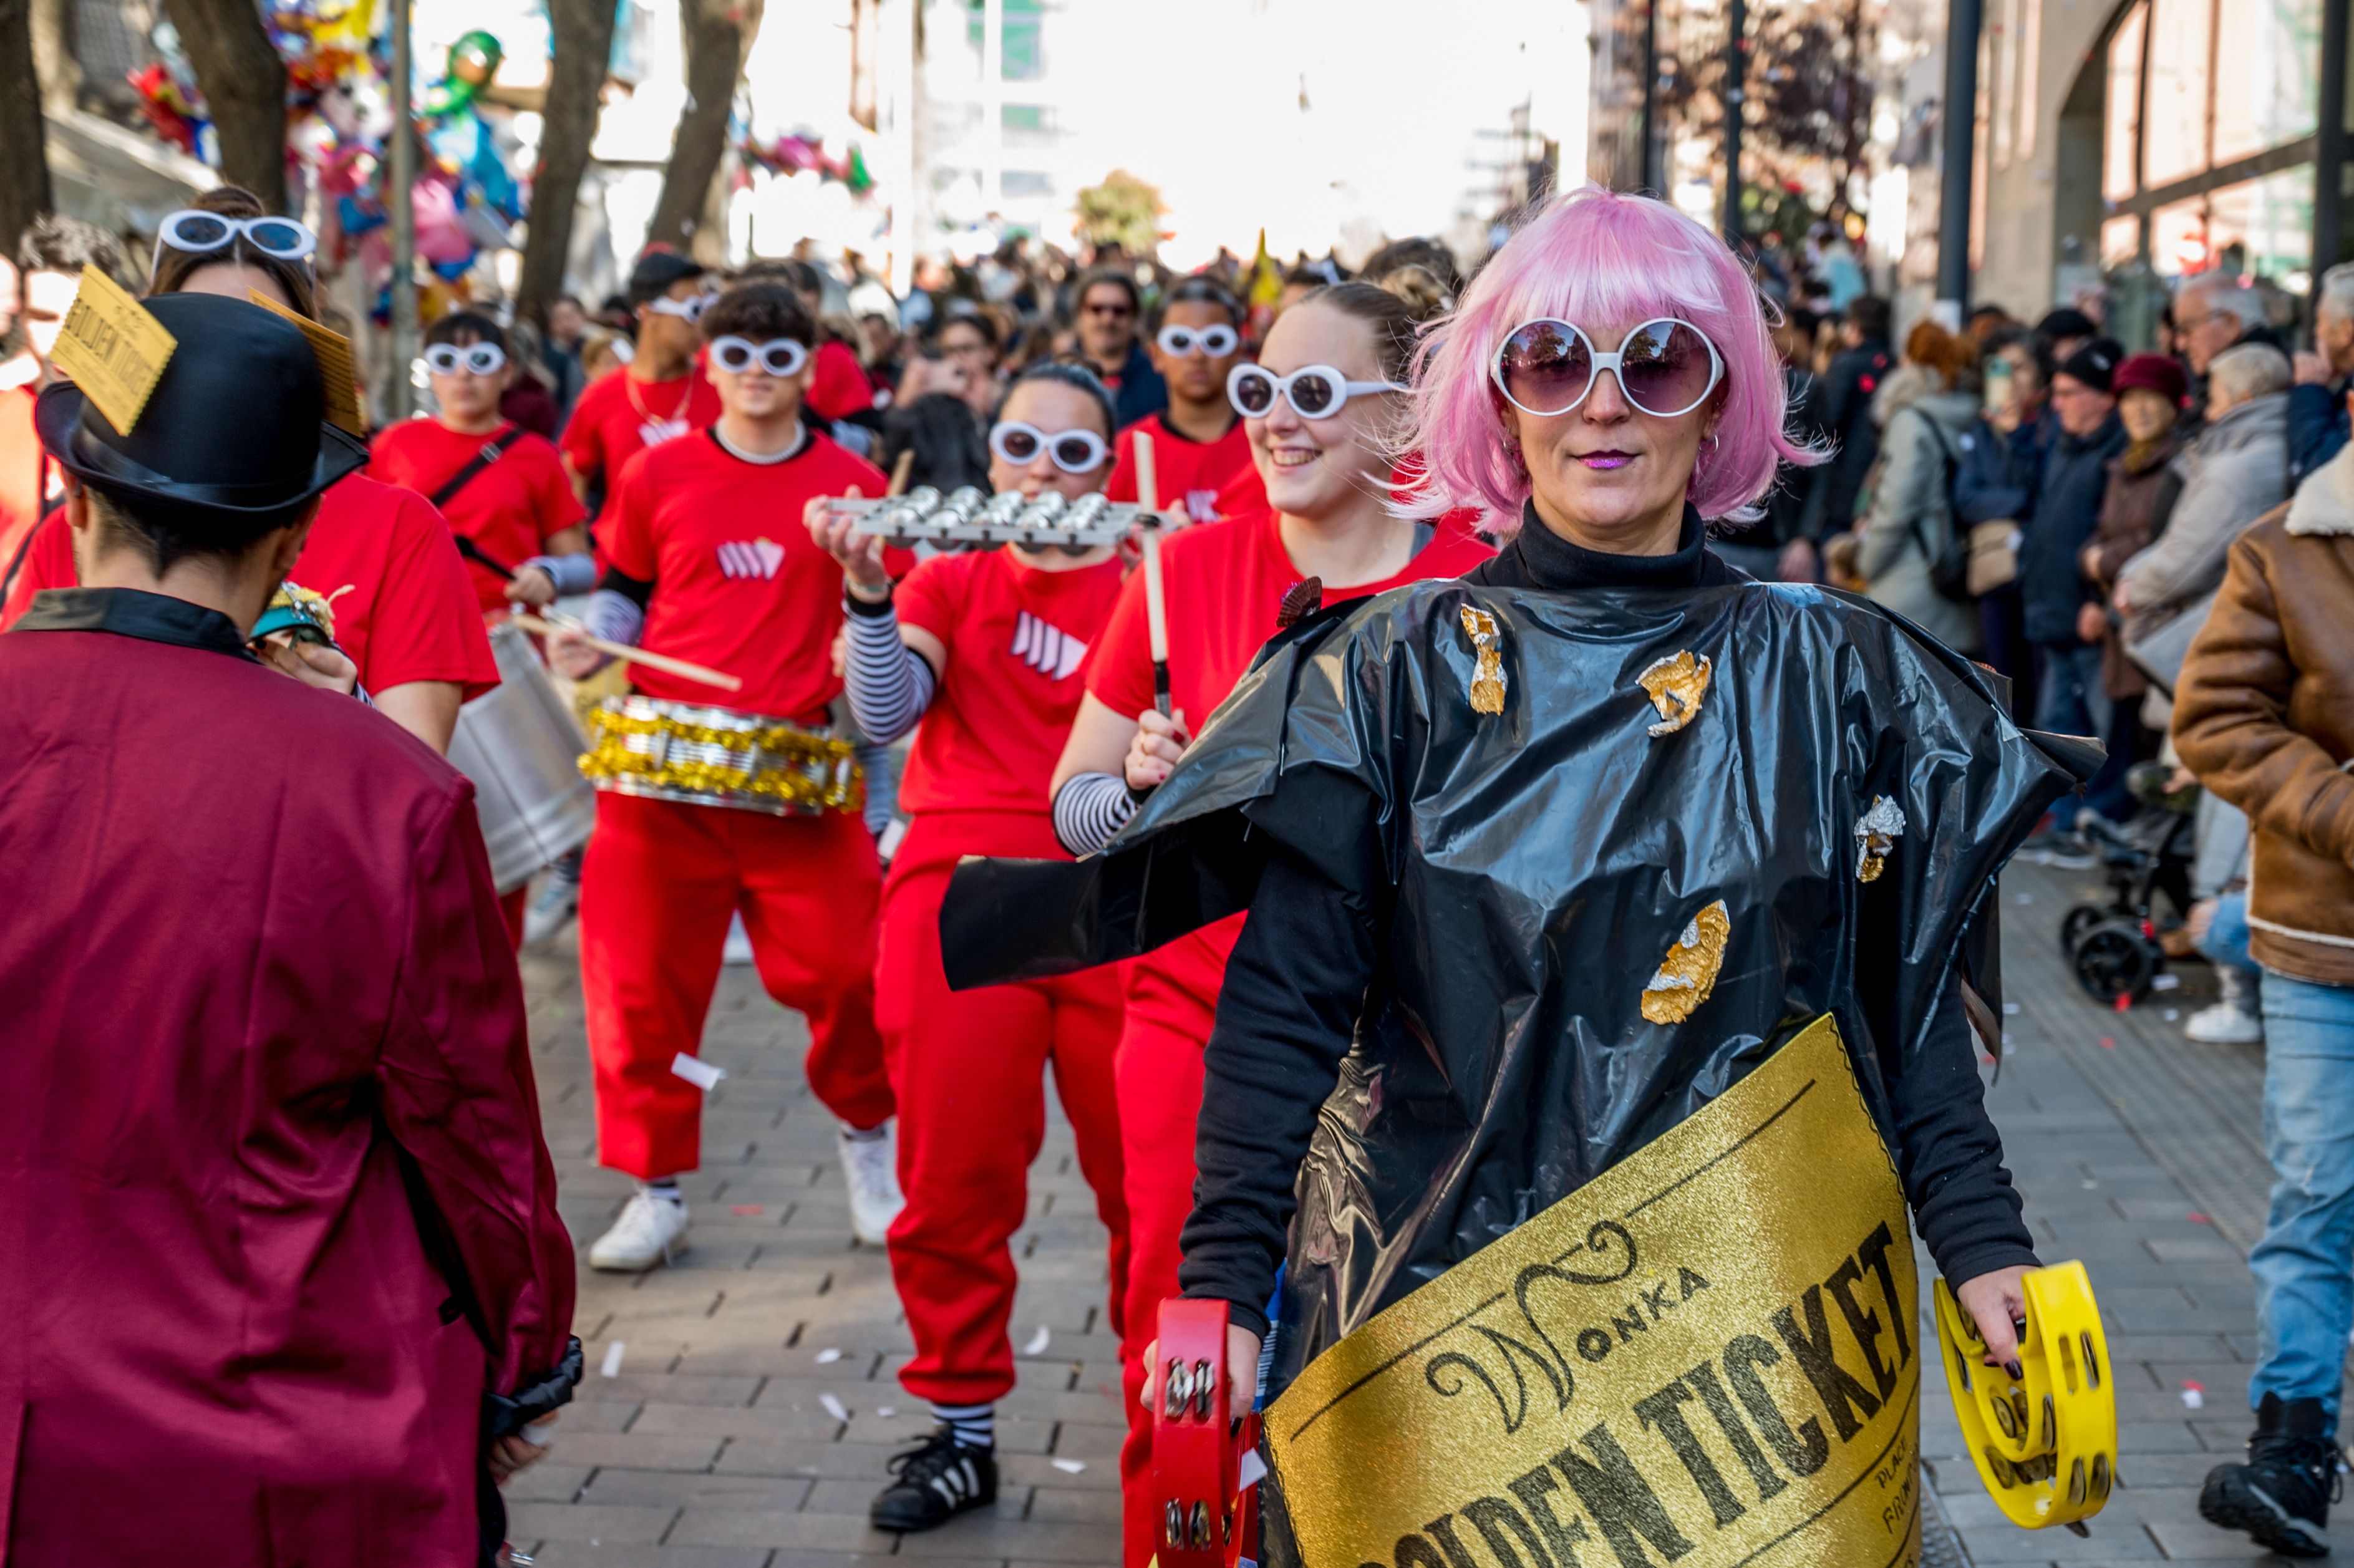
<point x="1543" y="794"/>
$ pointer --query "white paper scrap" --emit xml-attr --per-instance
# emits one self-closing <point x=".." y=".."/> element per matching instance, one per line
<point x="612" y="1367"/>
<point x="1035" y="1345"/>
<point x="827" y="1357"/>
<point x="2172" y="1013"/>
<point x="2164" y="982"/>
<point x="887" y="1411"/>
<point x="2193" y="1400"/>
<point x="1254" y="1469"/>
<point x="833" y="1407"/>
<point x="1069" y="1466"/>
<point x="2010" y="1009"/>
<point x="697" y="1071"/>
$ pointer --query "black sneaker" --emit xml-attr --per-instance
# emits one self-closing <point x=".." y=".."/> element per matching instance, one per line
<point x="938" y="1479"/>
<point x="2281" y="1495"/>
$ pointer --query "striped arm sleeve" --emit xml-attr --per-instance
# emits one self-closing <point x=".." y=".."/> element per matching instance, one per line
<point x="888" y="683"/>
<point x="1090" y="809"/>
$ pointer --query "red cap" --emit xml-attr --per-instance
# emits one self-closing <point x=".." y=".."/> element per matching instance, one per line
<point x="2159" y="373"/>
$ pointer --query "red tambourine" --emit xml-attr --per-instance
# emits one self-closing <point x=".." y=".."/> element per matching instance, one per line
<point x="1206" y="1519"/>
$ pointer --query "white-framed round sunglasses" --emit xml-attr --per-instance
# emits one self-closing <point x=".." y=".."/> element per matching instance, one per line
<point x="1665" y="367"/>
<point x="1072" y="451"/>
<point x="1314" y="391"/>
<point x="687" y="310"/>
<point x="482" y="358"/>
<point x="779" y="357"/>
<point x="1212" y="343"/>
<point x="201" y="233"/>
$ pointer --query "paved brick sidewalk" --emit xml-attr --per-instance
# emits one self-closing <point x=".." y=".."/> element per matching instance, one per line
<point x="715" y="1447"/>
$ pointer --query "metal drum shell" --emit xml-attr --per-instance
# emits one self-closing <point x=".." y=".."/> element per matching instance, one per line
<point x="520" y="746"/>
<point x="608" y="772"/>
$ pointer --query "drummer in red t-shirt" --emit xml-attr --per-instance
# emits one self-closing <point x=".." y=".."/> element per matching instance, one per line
<point x="404" y="611"/>
<point x="661" y="394"/>
<point x="707" y="562"/>
<point x="986" y="649"/>
<point x="502" y="488"/>
<point x="1202" y="453"/>
<point x="1317" y="407"/>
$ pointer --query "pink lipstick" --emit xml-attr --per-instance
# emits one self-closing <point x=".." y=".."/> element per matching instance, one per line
<point x="1606" y="459"/>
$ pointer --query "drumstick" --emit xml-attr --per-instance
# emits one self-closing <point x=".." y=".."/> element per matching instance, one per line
<point x="473" y="552"/>
<point x="623" y="651"/>
<point x="1156" y="606"/>
<point x="901" y="471"/>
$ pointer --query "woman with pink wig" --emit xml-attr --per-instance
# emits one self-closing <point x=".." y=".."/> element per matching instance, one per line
<point x="1543" y="860"/>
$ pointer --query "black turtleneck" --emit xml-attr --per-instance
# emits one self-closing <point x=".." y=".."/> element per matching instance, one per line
<point x="1299" y="974"/>
<point x="1539" y="558"/>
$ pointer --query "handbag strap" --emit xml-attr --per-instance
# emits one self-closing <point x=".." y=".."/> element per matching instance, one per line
<point x="493" y="449"/>
<point x="1946" y="483"/>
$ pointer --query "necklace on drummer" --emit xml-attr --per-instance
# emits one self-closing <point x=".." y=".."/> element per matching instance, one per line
<point x="654" y="431"/>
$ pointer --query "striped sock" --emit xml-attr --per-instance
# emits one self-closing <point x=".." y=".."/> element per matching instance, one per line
<point x="974" y="1425"/>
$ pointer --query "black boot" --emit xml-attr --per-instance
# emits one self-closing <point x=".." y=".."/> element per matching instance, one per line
<point x="2281" y="1495"/>
<point x="938" y="1479"/>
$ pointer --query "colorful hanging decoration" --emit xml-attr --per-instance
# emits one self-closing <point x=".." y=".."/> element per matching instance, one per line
<point x="798" y="152"/>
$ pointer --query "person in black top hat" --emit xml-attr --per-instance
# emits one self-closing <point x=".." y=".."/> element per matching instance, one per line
<point x="274" y="1148"/>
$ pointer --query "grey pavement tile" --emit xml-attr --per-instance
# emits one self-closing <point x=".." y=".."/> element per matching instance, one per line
<point x="609" y="1554"/>
<point x="585" y="1521"/>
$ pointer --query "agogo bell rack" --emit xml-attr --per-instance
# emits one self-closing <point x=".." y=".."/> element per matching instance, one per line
<point x="968" y="519"/>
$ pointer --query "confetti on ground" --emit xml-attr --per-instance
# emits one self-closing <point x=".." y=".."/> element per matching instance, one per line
<point x="2172" y="1013"/>
<point x="887" y="1411"/>
<point x="2198" y="1219"/>
<point x="2027" y="898"/>
<point x="833" y="1407"/>
<point x="745" y="1209"/>
<point x="2108" y="1043"/>
<point x="2010" y="1010"/>
<point x="828" y="1356"/>
<point x="612" y="1367"/>
<point x="2194" y="1395"/>
<point x="2164" y="982"/>
<point x="2089" y="1184"/>
<point x="1036" y="1345"/>
<point x="2009" y="1049"/>
<point x="2125" y="1003"/>
<point x="696" y="1071"/>
<point x="1069" y="1466"/>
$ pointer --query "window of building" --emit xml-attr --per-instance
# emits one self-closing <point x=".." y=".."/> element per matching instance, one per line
<point x="2265" y="59"/>
<point x="2174" y="144"/>
<point x="1022" y="185"/>
<point x="2121" y="130"/>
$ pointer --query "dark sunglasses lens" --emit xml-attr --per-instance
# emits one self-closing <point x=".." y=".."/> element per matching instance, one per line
<point x="1072" y="455"/>
<point x="1254" y="394"/>
<point x="1218" y="341"/>
<point x="1547" y="367"/>
<point x="732" y="356"/>
<point x="1018" y="446"/>
<point x="200" y="232"/>
<point x="276" y="235"/>
<point x="1666" y="366"/>
<point x="1314" y="395"/>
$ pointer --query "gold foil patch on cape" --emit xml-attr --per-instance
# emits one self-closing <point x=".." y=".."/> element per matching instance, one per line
<point x="1676" y="685"/>
<point x="1488" y="673"/>
<point x="1876" y="832"/>
<point x="1710" y="1355"/>
<point x="1688" y="974"/>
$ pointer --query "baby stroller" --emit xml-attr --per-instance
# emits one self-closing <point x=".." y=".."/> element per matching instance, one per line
<point x="2113" y="949"/>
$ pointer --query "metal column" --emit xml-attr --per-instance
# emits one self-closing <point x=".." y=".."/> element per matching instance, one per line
<point x="1961" y="117"/>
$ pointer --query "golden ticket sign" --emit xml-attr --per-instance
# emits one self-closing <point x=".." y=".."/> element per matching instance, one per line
<point x="113" y="349"/>
<point x="336" y="377"/>
<point x="1706" y="1357"/>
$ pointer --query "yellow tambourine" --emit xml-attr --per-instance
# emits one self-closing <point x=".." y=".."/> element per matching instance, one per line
<point x="2045" y="1442"/>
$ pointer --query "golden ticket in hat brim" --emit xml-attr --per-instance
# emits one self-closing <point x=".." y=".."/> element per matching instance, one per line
<point x="1708" y="1355"/>
<point x="113" y="349"/>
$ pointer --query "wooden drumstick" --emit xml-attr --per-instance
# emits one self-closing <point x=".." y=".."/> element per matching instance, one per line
<point x="1156" y="606"/>
<point x="900" y="472"/>
<point x="623" y="651"/>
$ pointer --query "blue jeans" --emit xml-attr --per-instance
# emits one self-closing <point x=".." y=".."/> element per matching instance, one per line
<point x="2304" y="1268"/>
<point x="2227" y="936"/>
<point x="2069" y="701"/>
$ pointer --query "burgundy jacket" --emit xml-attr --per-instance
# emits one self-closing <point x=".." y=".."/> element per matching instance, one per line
<point x="262" y="1060"/>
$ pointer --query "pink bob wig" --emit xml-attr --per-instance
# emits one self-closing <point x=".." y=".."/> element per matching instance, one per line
<point x="1603" y="261"/>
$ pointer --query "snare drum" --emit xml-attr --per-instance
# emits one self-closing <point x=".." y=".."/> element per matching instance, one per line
<point x="519" y="744"/>
<point x="716" y="756"/>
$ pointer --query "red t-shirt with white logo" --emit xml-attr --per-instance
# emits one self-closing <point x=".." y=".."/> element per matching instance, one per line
<point x="838" y="387"/>
<point x="617" y="417"/>
<point x="1017" y="640"/>
<point x="1223" y="584"/>
<point x="739" y="586"/>
<point x="403" y="605"/>
<point x="510" y="510"/>
<point x="1203" y="480"/>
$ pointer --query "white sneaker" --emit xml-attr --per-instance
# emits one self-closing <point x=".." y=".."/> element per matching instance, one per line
<point x="2225" y="1024"/>
<point x="739" y="949"/>
<point x="558" y="897"/>
<point x="650" y="1231"/>
<point x="870" y="1169"/>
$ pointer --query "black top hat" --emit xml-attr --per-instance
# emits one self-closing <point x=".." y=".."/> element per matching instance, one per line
<point x="233" y="429"/>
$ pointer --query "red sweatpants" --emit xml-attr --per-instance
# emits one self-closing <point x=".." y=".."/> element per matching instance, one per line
<point x="967" y="1070"/>
<point x="1172" y="999"/>
<point x="657" y="887"/>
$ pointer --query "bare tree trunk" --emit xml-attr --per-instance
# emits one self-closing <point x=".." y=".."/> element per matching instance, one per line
<point x="23" y="160"/>
<point x="583" y="44"/>
<point x="53" y="55"/>
<point x="244" y="84"/>
<point x="720" y="35"/>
